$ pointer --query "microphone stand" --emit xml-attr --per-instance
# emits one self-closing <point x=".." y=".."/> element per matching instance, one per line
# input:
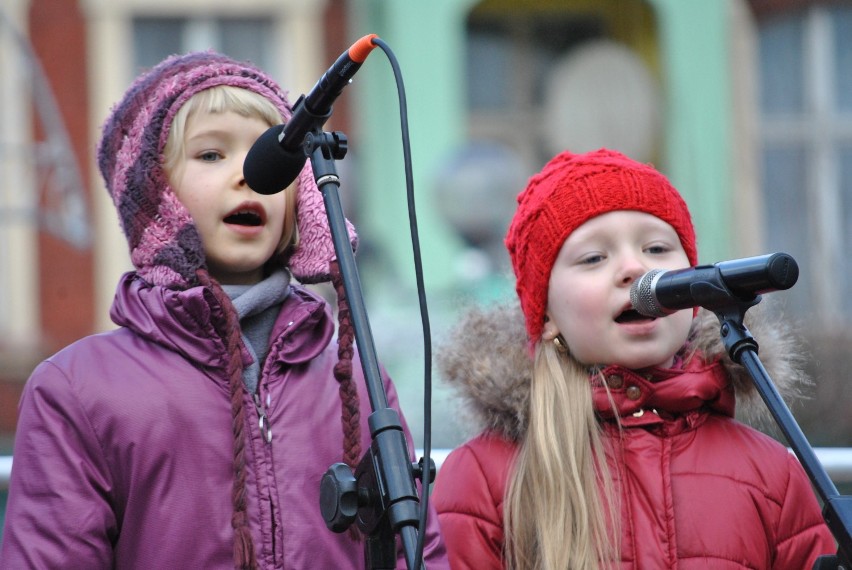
<point x="742" y="348"/>
<point x="381" y="495"/>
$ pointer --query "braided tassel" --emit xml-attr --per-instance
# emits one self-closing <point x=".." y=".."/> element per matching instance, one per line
<point x="244" y="557"/>
<point x="244" y="554"/>
<point x="350" y="404"/>
<point x="351" y="413"/>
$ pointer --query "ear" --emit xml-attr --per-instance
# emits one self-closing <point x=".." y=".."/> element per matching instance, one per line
<point x="550" y="331"/>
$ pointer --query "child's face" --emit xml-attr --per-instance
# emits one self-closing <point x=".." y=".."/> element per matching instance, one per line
<point x="589" y="291"/>
<point x="239" y="228"/>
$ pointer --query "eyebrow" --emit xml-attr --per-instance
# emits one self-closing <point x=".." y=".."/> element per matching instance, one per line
<point x="209" y="133"/>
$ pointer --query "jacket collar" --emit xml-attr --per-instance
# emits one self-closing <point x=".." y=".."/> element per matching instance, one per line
<point x="668" y="391"/>
<point x="186" y="321"/>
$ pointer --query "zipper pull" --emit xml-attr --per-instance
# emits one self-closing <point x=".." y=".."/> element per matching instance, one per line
<point x="263" y="419"/>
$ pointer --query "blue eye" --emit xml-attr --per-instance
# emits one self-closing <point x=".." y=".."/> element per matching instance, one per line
<point x="209" y="156"/>
<point x="657" y="249"/>
<point x="592" y="259"/>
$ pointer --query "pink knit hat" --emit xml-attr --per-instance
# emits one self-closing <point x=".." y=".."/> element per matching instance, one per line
<point x="569" y="190"/>
<point x="164" y="244"/>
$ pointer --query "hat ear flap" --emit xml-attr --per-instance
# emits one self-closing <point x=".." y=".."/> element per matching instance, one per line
<point x="311" y="260"/>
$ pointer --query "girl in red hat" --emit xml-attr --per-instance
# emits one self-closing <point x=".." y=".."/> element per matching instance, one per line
<point x="608" y="439"/>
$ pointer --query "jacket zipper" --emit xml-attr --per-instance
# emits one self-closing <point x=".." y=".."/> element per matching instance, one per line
<point x="263" y="418"/>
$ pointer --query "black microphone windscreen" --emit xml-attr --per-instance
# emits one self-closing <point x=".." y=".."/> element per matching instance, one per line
<point x="268" y="168"/>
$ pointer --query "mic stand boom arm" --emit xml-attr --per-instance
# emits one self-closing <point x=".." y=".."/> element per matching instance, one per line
<point x="382" y="494"/>
<point x="742" y="348"/>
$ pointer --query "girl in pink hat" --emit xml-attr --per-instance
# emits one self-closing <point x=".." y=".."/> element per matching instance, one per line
<point x="196" y="434"/>
<point x="607" y="439"/>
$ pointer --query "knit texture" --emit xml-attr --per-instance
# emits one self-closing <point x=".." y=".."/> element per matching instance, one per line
<point x="569" y="190"/>
<point x="165" y="246"/>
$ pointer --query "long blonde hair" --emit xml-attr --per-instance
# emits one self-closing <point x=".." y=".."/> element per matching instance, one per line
<point x="560" y="511"/>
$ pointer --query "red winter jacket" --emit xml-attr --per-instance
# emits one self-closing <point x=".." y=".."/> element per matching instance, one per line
<point x="697" y="488"/>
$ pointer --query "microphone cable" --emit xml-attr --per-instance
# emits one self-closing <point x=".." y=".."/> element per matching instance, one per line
<point x="426" y="461"/>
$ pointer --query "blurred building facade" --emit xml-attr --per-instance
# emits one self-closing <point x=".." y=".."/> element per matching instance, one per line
<point x="746" y="105"/>
<point x="64" y="64"/>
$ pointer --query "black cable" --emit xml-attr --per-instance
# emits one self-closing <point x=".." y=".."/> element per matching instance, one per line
<point x="421" y="294"/>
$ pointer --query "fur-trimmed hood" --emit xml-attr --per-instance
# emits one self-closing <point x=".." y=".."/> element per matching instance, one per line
<point x="486" y="360"/>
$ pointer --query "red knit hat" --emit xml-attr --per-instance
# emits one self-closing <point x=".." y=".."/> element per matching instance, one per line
<point x="569" y="190"/>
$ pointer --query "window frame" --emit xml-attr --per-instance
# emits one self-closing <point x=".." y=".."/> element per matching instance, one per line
<point x="822" y="129"/>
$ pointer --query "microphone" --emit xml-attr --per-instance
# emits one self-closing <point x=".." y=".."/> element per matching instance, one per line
<point x="276" y="158"/>
<point x="660" y="293"/>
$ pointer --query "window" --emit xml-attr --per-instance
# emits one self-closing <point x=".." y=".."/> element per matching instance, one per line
<point x="44" y="190"/>
<point x="508" y="63"/>
<point x="18" y="198"/>
<point x="244" y="39"/>
<point x="806" y="130"/>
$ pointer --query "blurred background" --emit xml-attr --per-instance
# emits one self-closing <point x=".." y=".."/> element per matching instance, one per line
<point x="745" y="104"/>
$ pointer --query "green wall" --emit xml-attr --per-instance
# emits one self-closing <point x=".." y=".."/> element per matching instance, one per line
<point x="694" y="43"/>
<point x="428" y="39"/>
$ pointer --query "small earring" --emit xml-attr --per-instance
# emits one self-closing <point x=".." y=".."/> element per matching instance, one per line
<point x="560" y="346"/>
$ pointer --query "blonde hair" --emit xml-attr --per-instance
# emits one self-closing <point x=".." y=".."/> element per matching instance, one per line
<point x="222" y="99"/>
<point x="560" y="509"/>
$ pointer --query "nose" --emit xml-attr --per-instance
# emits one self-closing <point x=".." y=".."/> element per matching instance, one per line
<point x="240" y="177"/>
<point x="631" y="269"/>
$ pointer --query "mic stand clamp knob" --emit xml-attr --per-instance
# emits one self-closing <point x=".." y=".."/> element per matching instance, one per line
<point x="339" y="497"/>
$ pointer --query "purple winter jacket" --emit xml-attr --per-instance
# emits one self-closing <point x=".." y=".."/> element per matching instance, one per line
<point x="124" y="454"/>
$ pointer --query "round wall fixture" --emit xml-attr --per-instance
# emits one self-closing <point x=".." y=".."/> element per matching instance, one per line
<point x="601" y="94"/>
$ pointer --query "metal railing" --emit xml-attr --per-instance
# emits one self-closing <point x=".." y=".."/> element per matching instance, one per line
<point x="837" y="462"/>
<point x="5" y="471"/>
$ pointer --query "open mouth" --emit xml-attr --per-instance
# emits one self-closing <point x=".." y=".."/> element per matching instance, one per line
<point x="632" y="316"/>
<point x="244" y="218"/>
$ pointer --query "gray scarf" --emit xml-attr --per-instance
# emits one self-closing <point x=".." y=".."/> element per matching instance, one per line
<point x="258" y="306"/>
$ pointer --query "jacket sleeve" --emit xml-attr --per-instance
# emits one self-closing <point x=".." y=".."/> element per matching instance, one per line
<point x="802" y="533"/>
<point x="58" y="513"/>
<point x="468" y="496"/>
